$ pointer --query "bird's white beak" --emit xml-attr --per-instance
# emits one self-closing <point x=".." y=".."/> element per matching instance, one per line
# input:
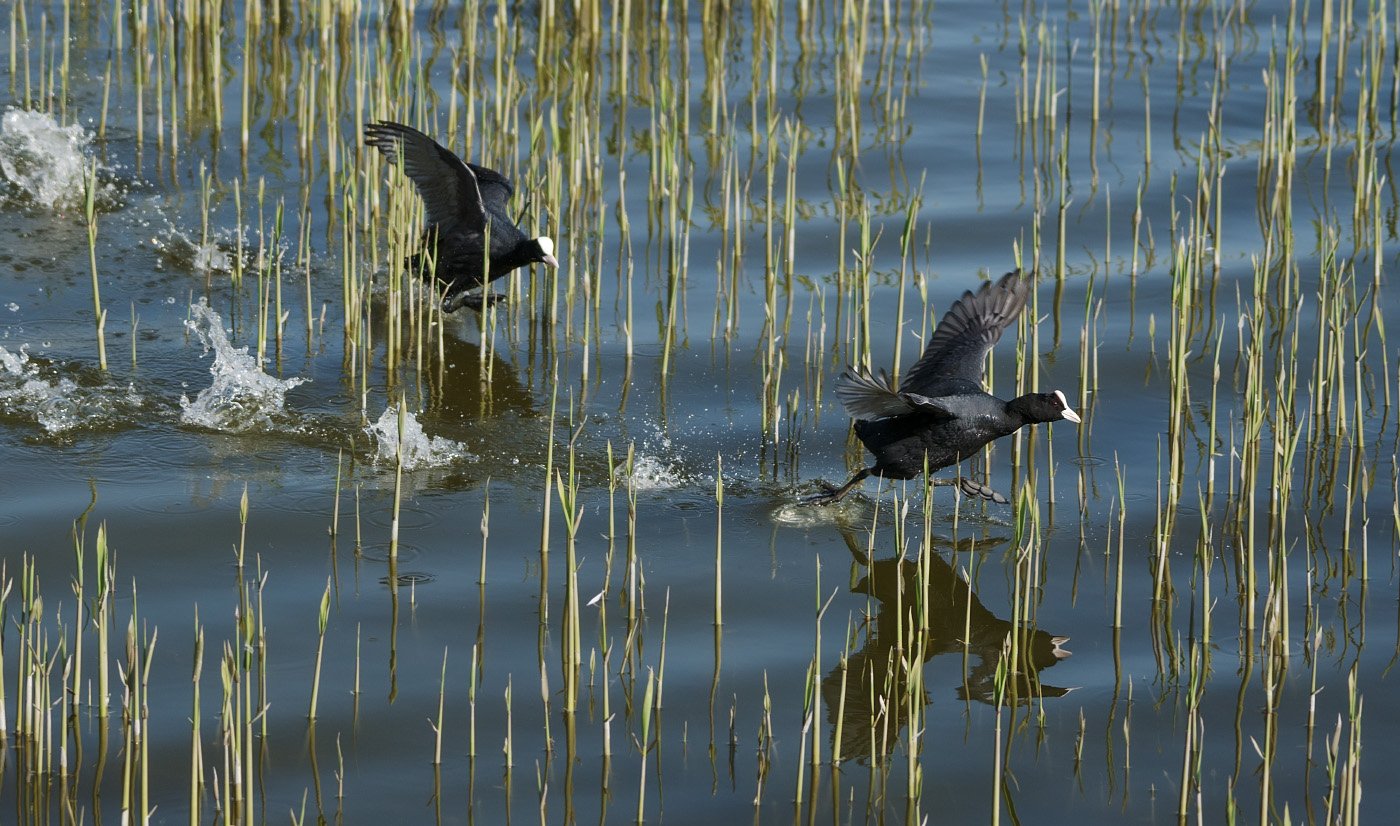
<point x="552" y="261"/>
<point x="1068" y="413"/>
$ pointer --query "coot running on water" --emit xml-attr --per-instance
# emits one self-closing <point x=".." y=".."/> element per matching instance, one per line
<point x="464" y="205"/>
<point x="940" y="411"/>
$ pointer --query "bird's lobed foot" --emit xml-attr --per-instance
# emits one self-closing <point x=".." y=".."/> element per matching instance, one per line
<point x="830" y="493"/>
<point x="977" y="490"/>
<point x="472" y="301"/>
<point x="972" y="488"/>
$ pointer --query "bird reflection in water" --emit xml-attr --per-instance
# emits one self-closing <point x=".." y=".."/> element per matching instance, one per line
<point x="876" y="684"/>
<point x="467" y="389"/>
<point x="497" y="419"/>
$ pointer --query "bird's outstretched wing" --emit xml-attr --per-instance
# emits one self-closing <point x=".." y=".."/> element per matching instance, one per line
<point x="449" y="188"/>
<point x="496" y="189"/>
<point x="959" y="345"/>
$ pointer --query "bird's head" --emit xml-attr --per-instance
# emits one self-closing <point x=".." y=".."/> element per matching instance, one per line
<point x="1057" y="407"/>
<point x="1044" y="407"/>
<point x="544" y="251"/>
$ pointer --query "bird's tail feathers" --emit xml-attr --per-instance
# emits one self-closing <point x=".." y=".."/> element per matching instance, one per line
<point x="869" y="396"/>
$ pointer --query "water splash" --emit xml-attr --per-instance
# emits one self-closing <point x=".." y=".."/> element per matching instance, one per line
<point x="419" y="449"/>
<point x="210" y="257"/>
<point x="652" y="473"/>
<point x="42" y="160"/>
<point x="242" y="397"/>
<point x="798" y="515"/>
<point x="60" y="404"/>
<point x="213" y="256"/>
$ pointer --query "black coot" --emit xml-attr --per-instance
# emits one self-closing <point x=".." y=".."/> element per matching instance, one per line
<point x="465" y="204"/>
<point x="940" y="413"/>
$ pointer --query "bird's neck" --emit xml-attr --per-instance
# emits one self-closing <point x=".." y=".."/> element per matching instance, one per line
<point x="1016" y="409"/>
<point x="518" y="256"/>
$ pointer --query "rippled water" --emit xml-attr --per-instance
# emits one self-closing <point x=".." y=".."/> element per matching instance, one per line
<point x="741" y="210"/>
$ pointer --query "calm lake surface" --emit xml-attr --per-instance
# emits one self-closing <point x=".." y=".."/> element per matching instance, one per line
<point x="573" y="583"/>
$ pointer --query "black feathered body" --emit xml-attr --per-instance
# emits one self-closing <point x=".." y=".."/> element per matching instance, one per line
<point x="900" y="443"/>
<point x="457" y="252"/>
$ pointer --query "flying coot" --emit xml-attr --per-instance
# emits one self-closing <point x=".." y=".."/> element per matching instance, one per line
<point x="941" y="413"/>
<point x="465" y="204"/>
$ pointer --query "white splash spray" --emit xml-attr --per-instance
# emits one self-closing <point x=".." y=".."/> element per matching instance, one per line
<point x="44" y="161"/>
<point x="57" y="403"/>
<point x="242" y="397"/>
<point x="652" y="473"/>
<point x="418" y="448"/>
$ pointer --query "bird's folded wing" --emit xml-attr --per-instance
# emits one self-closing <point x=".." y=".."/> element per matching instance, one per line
<point x="924" y="404"/>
